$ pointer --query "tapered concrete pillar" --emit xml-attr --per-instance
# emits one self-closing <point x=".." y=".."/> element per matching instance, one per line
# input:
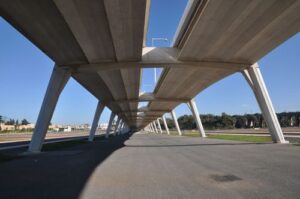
<point x="151" y="127"/>
<point x="166" y="125"/>
<point x="256" y="82"/>
<point x="117" y="126"/>
<point x="111" y="119"/>
<point x="147" y="129"/>
<point x="57" y="82"/>
<point x="155" y="129"/>
<point x="173" y="114"/>
<point x="126" y="129"/>
<point x="120" y="127"/>
<point x="196" y="116"/>
<point x="159" y="126"/>
<point x="97" y="115"/>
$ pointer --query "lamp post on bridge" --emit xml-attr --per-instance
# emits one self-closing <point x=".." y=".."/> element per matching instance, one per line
<point x="152" y="44"/>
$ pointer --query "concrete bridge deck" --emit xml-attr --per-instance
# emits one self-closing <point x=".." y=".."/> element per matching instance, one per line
<point x="156" y="166"/>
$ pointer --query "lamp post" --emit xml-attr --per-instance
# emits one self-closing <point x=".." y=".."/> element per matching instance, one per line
<point x="152" y="44"/>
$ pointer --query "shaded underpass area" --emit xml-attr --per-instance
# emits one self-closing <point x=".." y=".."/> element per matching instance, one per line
<point x="56" y="173"/>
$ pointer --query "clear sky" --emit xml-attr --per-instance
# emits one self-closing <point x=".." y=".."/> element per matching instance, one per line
<point x="25" y="72"/>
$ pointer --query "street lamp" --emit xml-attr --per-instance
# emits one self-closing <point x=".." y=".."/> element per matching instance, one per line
<point x="152" y="43"/>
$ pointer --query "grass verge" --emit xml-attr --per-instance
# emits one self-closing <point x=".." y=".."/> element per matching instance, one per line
<point x="186" y="133"/>
<point x="52" y="147"/>
<point x="69" y="143"/>
<point x="6" y="157"/>
<point x="247" y="138"/>
<point x="191" y="134"/>
<point x="63" y="144"/>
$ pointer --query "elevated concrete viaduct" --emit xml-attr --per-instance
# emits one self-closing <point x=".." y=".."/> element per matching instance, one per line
<point x="101" y="44"/>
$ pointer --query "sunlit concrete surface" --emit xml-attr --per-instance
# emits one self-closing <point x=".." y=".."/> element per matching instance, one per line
<point x="156" y="166"/>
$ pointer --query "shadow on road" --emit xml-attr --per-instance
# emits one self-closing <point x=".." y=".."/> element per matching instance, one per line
<point x="55" y="174"/>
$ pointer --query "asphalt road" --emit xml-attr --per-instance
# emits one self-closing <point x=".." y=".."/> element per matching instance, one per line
<point x="156" y="166"/>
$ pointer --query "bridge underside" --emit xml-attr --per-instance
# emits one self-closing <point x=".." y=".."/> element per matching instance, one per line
<point x="101" y="44"/>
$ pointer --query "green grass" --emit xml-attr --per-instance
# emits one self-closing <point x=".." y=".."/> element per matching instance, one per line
<point x="186" y="133"/>
<point x="6" y="157"/>
<point x="101" y="137"/>
<point x="69" y="143"/>
<point x="191" y="134"/>
<point x="64" y="144"/>
<point x="173" y="133"/>
<point x="248" y="138"/>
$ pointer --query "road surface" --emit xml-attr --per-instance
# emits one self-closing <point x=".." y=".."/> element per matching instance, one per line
<point x="156" y="166"/>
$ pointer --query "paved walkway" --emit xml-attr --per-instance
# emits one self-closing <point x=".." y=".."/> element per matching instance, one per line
<point x="156" y="166"/>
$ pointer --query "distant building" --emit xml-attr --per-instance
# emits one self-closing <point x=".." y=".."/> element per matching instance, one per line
<point x="67" y="129"/>
<point x="26" y="127"/>
<point x="4" y="127"/>
<point x="103" y="126"/>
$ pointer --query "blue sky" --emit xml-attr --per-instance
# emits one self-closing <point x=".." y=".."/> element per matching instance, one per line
<point x="25" y="72"/>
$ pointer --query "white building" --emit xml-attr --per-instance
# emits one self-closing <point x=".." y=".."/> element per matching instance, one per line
<point x="103" y="126"/>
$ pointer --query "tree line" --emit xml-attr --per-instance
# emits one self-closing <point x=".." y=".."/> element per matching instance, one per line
<point x="13" y="121"/>
<point x="225" y="121"/>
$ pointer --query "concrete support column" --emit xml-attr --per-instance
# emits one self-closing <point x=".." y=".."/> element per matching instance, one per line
<point x="126" y="129"/>
<point x="97" y="115"/>
<point x="155" y="129"/>
<point x="151" y="127"/>
<point x="165" y="124"/>
<point x="120" y="127"/>
<point x="147" y="129"/>
<point x="159" y="126"/>
<point x="173" y="114"/>
<point x="111" y="119"/>
<point x="256" y="82"/>
<point x="117" y="126"/>
<point x="58" y="80"/>
<point x="197" y="119"/>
